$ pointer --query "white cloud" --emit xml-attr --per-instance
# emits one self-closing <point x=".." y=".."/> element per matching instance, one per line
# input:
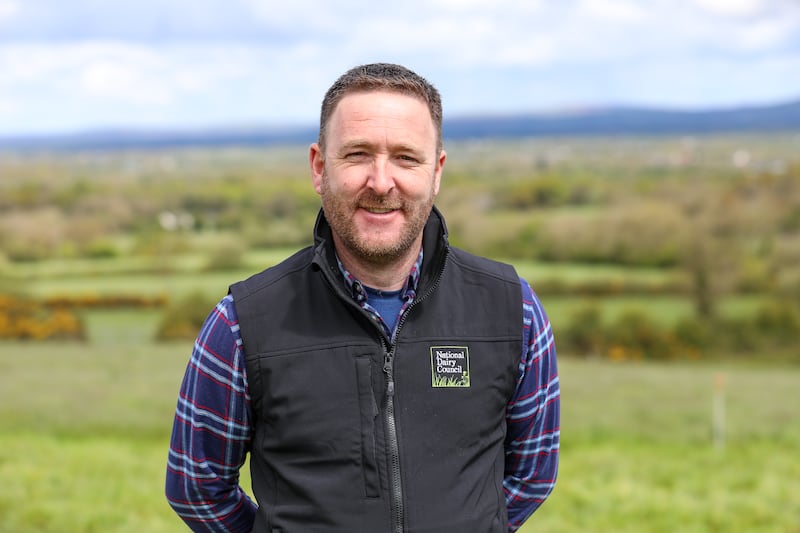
<point x="734" y="8"/>
<point x="104" y="83"/>
<point x="622" y="11"/>
<point x="8" y="8"/>
<point x="119" y="71"/>
<point x="112" y="81"/>
<point x="766" y="33"/>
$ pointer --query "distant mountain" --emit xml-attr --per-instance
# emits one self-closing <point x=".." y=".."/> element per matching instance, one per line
<point x="630" y="121"/>
<point x="594" y="122"/>
<point x="131" y="139"/>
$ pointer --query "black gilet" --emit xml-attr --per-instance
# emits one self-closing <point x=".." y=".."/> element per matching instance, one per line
<point x="354" y="433"/>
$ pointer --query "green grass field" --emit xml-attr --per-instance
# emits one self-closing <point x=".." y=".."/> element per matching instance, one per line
<point x="84" y="428"/>
<point x="84" y="431"/>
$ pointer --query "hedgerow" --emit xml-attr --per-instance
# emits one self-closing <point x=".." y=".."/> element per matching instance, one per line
<point x="23" y="318"/>
<point x="634" y="334"/>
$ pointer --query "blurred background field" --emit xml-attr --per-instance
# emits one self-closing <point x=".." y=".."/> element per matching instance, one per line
<point x="84" y="431"/>
<point x="691" y="243"/>
<point x="666" y="264"/>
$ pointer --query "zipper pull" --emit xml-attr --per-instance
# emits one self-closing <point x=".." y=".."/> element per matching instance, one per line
<point x="388" y="370"/>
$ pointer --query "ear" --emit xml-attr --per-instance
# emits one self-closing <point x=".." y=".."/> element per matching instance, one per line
<point x="437" y="173"/>
<point x="316" y="161"/>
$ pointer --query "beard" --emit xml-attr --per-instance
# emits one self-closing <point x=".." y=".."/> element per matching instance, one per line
<point x="375" y="248"/>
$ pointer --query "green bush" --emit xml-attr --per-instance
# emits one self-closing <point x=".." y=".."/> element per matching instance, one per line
<point x="634" y="334"/>
<point x="780" y="321"/>
<point x="296" y="231"/>
<point x="228" y="255"/>
<point x="102" y="248"/>
<point x="27" y="252"/>
<point x="694" y="333"/>
<point x="534" y="192"/>
<point x="651" y="233"/>
<point x="775" y="324"/>
<point x="637" y="333"/>
<point x="182" y="319"/>
<point x="584" y="332"/>
<point x="739" y="335"/>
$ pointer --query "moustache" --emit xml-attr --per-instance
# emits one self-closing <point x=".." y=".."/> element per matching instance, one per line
<point x="370" y="200"/>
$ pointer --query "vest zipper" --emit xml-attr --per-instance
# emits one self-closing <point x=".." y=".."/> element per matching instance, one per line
<point x="390" y="426"/>
<point x="390" y="423"/>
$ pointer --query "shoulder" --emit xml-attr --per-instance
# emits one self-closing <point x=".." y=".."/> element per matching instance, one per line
<point x="531" y="304"/>
<point x="227" y="310"/>
<point x="219" y="338"/>
<point x="483" y="265"/>
<point x="258" y="282"/>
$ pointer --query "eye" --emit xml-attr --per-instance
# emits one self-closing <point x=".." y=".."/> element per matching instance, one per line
<point x="408" y="159"/>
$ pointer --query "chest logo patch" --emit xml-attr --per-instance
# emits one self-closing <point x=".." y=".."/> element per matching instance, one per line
<point x="449" y="366"/>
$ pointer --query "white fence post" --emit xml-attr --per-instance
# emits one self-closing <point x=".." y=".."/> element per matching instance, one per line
<point x="718" y="411"/>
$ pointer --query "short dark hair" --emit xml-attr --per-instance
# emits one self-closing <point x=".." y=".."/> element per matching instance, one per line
<point x="382" y="76"/>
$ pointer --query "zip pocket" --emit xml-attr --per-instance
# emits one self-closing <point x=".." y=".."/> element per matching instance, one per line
<point x="369" y="415"/>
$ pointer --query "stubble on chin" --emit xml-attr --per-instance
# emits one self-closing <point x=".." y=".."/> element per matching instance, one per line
<point x="373" y="250"/>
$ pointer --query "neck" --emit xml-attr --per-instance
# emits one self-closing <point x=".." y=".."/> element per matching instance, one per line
<point x="384" y="276"/>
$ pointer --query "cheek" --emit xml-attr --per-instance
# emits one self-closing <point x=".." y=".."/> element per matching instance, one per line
<point x="337" y="192"/>
<point x="422" y="189"/>
<point x="344" y="181"/>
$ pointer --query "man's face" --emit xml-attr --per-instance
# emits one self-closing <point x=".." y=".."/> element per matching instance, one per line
<point x="379" y="174"/>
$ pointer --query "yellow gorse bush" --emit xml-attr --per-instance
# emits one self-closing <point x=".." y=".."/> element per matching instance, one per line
<point x="24" y="318"/>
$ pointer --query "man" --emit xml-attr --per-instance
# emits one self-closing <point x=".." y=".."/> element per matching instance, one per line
<point x="381" y="380"/>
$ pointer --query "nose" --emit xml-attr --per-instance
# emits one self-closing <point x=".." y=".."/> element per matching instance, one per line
<point x="380" y="177"/>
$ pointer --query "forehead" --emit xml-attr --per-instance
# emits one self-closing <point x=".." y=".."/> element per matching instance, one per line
<point x="377" y="112"/>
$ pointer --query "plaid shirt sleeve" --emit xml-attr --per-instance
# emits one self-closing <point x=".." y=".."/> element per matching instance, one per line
<point x="211" y="431"/>
<point x="533" y="416"/>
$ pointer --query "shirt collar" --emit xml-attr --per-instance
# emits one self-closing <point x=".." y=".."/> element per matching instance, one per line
<point x="359" y="294"/>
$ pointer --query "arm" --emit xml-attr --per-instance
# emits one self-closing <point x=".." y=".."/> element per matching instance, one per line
<point x="533" y="417"/>
<point x="211" y="432"/>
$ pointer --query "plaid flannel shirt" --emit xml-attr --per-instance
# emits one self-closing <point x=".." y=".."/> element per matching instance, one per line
<point x="212" y="429"/>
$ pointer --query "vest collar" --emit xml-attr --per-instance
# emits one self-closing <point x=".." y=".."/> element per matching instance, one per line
<point x="435" y="246"/>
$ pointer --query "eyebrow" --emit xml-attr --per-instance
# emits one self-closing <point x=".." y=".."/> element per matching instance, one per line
<point x="358" y="143"/>
<point x="399" y="147"/>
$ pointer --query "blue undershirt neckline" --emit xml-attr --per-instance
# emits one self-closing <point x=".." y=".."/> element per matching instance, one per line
<point x="386" y="303"/>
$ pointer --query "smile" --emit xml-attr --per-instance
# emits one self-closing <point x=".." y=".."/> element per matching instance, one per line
<point x="378" y="210"/>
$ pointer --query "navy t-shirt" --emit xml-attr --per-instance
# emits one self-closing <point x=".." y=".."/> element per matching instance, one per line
<point x="386" y="303"/>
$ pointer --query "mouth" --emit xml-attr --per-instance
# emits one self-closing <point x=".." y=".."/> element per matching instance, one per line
<point x="378" y="210"/>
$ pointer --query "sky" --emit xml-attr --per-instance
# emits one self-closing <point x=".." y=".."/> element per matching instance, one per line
<point x="71" y="66"/>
